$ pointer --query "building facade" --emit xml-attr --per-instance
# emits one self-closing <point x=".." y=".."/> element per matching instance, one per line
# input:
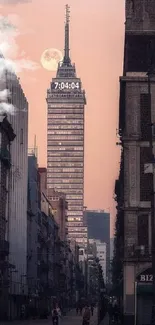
<point x="101" y="249"/>
<point x="16" y="228"/>
<point x="137" y="113"/>
<point x="65" y="140"/>
<point x="98" y="224"/>
<point x="32" y="227"/>
<point x="59" y="210"/>
<point x="6" y="137"/>
<point x="98" y="249"/>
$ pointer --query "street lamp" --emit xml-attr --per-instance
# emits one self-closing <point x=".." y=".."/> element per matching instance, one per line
<point x="151" y="75"/>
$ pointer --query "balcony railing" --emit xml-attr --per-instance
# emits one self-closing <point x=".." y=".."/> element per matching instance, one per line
<point x="134" y="252"/>
<point x="4" y="247"/>
<point x="5" y="156"/>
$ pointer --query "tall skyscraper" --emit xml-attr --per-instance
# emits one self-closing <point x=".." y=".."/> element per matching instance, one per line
<point x="65" y="140"/>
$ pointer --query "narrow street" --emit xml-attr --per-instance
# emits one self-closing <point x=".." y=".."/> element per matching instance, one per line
<point x="70" y="319"/>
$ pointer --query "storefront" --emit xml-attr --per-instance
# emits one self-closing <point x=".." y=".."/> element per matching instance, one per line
<point x="143" y="297"/>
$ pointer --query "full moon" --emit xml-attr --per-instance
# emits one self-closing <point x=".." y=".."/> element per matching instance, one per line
<point x="50" y="59"/>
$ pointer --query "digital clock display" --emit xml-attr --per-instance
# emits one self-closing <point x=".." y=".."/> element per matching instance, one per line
<point x="65" y="85"/>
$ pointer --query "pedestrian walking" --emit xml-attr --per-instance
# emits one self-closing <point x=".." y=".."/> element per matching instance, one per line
<point x="92" y="309"/>
<point x="55" y="317"/>
<point x="77" y="308"/>
<point x="86" y="316"/>
<point x="59" y="314"/>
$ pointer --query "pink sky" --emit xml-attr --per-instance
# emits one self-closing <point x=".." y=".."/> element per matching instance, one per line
<point x="96" y="42"/>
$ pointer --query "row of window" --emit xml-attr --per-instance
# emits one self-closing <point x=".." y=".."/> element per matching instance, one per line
<point x="65" y="143"/>
<point x="63" y="165"/>
<point x="64" y="154"/>
<point x="74" y="219"/>
<point x="65" y="122"/>
<point x="64" y="170"/>
<point x="67" y="106"/>
<point x="79" y="229"/>
<point x="73" y="132"/>
<point x="70" y="188"/>
<point x="76" y="197"/>
<point x="65" y="127"/>
<point x="79" y="240"/>
<point x="74" y="224"/>
<point x="64" y="116"/>
<point x="65" y="110"/>
<point x="67" y="176"/>
<point x="63" y="159"/>
<point x="55" y="148"/>
<point x="78" y="214"/>
<point x="79" y="235"/>
<point x="76" y="208"/>
<point x="64" y="137"/>
<point x="55" y="181"/>
<point x="75" y="202"/>
<point x="69" y="191"/>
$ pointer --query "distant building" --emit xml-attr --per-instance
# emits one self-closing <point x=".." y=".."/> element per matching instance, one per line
<point x="98" y="249"/>
<point x="101" y="254"/>
<point x="111" y="248"/>
<point x="98" y="224"/>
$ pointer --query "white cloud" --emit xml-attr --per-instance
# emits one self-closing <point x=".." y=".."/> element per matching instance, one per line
<point x="9" y="47"/>
<point x="7" y="108"/>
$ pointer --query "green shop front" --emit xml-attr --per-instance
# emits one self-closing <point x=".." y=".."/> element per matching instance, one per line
<point x="143" y="297"/>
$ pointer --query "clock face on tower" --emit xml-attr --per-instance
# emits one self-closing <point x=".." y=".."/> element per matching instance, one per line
<point x="65" y="85"/>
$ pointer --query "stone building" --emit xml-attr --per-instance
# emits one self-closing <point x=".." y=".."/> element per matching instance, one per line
<point x="135" y="118"/>
<point x="6" y="137"/>
<point x="59" y="208"/>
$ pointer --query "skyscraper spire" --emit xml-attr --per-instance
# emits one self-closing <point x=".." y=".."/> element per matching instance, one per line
<point x="66" y="58"/>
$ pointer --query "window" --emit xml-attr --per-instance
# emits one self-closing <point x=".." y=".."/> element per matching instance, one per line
<point x="145" y="121"/>
<point x="143" y="230"/>
<point x="21" y="136"/>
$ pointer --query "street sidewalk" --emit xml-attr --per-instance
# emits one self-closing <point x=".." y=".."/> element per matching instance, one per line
<point x="70" y="319"/>
<point x="105" y="320"/>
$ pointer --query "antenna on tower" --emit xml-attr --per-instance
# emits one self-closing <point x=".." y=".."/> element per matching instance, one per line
<point x="34" y="141"/>
<point x="67" y="14"/>
<point x="66" y="59"/>
<point x="35" y="145"/>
